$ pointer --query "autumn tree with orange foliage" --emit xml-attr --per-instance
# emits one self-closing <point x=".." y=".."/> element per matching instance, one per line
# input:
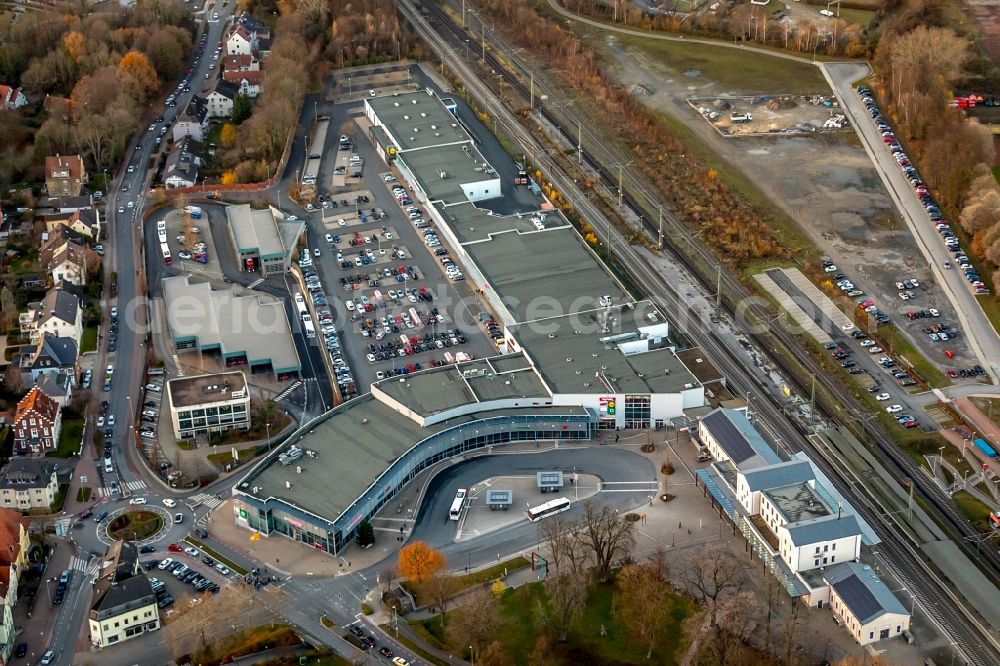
<point x="418" y="562"/>
<point x="136" y="74"/>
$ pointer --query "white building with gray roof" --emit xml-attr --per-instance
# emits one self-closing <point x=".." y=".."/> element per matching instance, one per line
<point x="865" y="605"/>
<point x="591" y="342"/>
<point x="248" y="328"/>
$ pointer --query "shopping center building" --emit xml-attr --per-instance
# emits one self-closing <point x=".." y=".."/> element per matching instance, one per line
<point x="578" y="353"/>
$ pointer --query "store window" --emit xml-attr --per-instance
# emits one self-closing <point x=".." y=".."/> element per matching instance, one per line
<point x="637" y="411"/>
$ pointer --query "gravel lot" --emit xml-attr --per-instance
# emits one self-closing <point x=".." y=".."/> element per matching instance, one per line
<point x="826" y="183"/>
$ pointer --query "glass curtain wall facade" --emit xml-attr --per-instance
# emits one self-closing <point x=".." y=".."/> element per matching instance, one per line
<point x="294" y="523"/>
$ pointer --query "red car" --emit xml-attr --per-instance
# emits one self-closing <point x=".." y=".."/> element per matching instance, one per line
<point x="174" y="548"/>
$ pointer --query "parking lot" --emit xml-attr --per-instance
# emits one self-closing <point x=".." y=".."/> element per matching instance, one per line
<point x="183" y="573"/>
<point x="383" y="269"/>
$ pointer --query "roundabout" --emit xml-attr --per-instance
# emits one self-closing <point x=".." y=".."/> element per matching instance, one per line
<point x="135" y="525"/>
<point x="149" y="523"/>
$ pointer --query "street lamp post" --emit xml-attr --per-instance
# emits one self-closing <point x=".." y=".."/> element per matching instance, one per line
<point x="472" y="654"/>
<point x="268" y="426"/>
<point x="350" y="87"/>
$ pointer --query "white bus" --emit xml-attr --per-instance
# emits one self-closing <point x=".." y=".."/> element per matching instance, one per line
<point x="548" y="509"/>
<point x="456" y="507"/>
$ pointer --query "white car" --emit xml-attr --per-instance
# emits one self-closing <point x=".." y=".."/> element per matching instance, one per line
<point x="882" y="397"/>
<point x="111" y="420"/>
<point x="825" y="12"/>
<point x="169" y="503"/>
<point x="934" y="313"/>
<point x="893" y="409"/>
<point x="193" y="552"/>
<point x="329" y="238"/>
<point x="875" y="350"/>
<point x="137" y="500"/>
<point x="100" y="421"/>
<point x="867" y="343"/>
<point x="848" y="326"/>
<point x="830" y="269"/>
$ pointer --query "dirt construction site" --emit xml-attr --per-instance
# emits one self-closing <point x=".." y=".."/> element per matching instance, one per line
<point x="770" y="114"/>
<point x="823" y="180"/>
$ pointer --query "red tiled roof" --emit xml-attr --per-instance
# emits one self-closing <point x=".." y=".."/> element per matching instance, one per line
<point x="72" y="162"/>
<point x="38" y="403"/>
<point x="252" y="78"/>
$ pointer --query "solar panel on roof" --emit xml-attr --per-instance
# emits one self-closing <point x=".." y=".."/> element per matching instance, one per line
<point x="729" y="437"/>
<point x="858" y="598"/>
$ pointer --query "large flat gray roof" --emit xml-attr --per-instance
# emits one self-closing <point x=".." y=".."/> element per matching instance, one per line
<point x="417" y="120"/>
<point x="572" y="357"/>
<point x="471" y="223"/>
<point x="355" y="445"/>
<point x="255" y="229"/>
<point x="440" y="389"/>
<point x="254" y="324"/>
<point x="457" y="163"/>
<point x="544" y="274"/>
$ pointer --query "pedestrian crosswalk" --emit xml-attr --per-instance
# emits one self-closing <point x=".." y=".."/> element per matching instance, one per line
<point x="287" y="391"/>
<point x="81" y="564"/>
<point x="211" y="501"/>
<point x="131" y="486"/>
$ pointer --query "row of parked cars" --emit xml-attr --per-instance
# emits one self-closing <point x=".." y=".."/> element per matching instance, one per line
<point x="342" y="372"/>
<point x="947" y="234"/>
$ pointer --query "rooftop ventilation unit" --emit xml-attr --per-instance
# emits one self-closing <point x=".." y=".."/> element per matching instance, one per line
<point x="423" y="115"/>
<point x="395" y="103"/>
<point x="288" y="485"/>
<point x="405" y="117"/>
<point x="413" y="101"/>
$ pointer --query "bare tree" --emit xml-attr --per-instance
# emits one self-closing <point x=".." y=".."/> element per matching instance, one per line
<point x="567" y="594"/>
<point x="645" y="601"/>
<point x="441" y="587"/>
<point x="710" y="571"/>
<point x="737" y="615"/>
<point x="793" y="621"/>
<point x="605" y="536"/>
<point x="563" y="542"/>
<point x="476" y="625"/>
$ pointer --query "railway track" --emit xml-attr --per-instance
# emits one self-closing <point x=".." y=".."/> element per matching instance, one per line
<point x="902" y="556"/>
<point x="598" y="158"/>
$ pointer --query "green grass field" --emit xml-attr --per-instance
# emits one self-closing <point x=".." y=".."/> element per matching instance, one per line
<point x="733" y="70"/>
<point x="69" y="438"/>
<point x="88" y="341"/>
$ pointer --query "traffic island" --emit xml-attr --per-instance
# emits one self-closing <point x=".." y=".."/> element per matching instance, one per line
<point x="135" y="525"/>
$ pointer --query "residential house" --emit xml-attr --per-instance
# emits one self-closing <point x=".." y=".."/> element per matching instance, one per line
<point x="27" y="484"/>
<point x="64" y="256"/>
<point x="85" y="222"/>
<point x="242" y="62"/>
<point x="14" y="545"/>
<point x="37" y="423"/>
<point x="59" y="314"/>
<point x="248" y="82"/>
<point x="65" y="175"/>
<point x="240" y="41"/>
<point x="124" y="603"/>
<point x="57" y="385"/>
<point x="193" y="122"/>
<point x="183" y="162"/>
<point x="864" y="604"/>
<point x="258" y="30"/>
<point x="51" y="355"/>
<point x="220" y="100"/>
<point x="12" y="98"/>
<point x="63" y="108"/>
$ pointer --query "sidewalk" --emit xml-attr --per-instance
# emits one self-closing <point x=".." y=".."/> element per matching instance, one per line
<point x="985" y="428"/>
